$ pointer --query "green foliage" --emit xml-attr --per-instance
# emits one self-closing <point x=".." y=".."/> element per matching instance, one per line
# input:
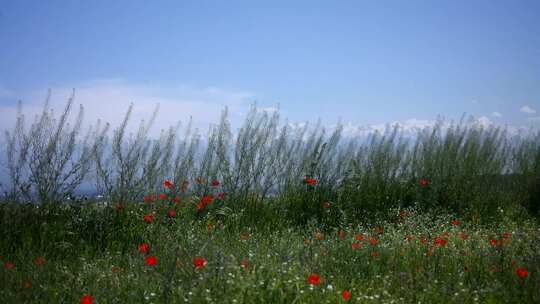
<point x="93" y="249"/>
<point x="280" y="194"/>
<point x="467" y="167"/>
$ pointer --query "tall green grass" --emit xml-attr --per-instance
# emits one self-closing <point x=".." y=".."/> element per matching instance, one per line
<point x="452" y="211"/>
<point x="469" y="168"/>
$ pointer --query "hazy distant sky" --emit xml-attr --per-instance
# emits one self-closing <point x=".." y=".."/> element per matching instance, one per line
<point x="363" y="61"/>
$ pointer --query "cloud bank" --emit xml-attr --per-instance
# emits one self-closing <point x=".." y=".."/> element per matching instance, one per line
<point x="527" y="109"/>
<point x="109" y="100"/>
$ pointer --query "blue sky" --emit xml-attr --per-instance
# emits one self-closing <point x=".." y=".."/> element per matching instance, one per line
<point x="362" y="61"/>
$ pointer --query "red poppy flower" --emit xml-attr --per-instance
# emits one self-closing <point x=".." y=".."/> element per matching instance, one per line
<point x="27" y="284"/>
<point x="244" y="264"/>
<point x="374" y="254"/>
<point x="171" y="213"/>
<point x="221" y="196"/>
<point x="310" y="181"/>
<point x="87" y="299"/>
<point x="423" y="240"/>
<point x="373" y="241"/>
<point x="177" y="200"/>
<point x="455" y="222"/>
<point x="148" y="217"/>
<point x="314" y="279"/>
<point x="162" y="196"/>
<point x="359" y="237"/>
<point x="210" y="227"/>
<point x="120" y="207"/>
<point x="215" y="183"/>
<point x="151" y="260"/>
<point x="207" y="199"/>
<point x="355" y="245"/>
<point x="199" y="262"/>
<point x="149" y="198"/>
<point x="346" y="295"/>
<point x="341" y="234"/>
<point x="424" y="182"/>
<point x="39" y="261"/>
<point x="522" y="272"/>
<point x="463" y="236"/>
<point x="9" y="265"/>
<point x="144" y="247"/>
<point x="494" y="242"/>
<point x="506" y="235"/>
<point x="445" y="234"/>
<point x="440" y="241"/>
<point x="168" y="184"/>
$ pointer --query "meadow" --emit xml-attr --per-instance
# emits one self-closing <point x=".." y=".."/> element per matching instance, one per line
<point x="273" y="213"/>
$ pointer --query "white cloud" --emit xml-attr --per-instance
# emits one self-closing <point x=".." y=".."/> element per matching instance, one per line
<point x="268" y="109"/>
<point x="483" y="121"/>
<point x="410" y="127"/>
<point x="527" y="109"/>
<point x="496" y="114"/>
<point x="109" y="100"/>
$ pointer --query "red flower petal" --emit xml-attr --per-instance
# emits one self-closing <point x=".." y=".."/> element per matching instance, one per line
<point x="168" y="184"/>
<point x="39" y="261"/>
<point x="522" y="272"/>
<point x="440" y="241"/>
<point x="171" y="213"/>
<point x="199" y="262"/>
<point x="151" y="260"/>
<point x="314" y="279"/>
<point x="148" y="217"/>
<point x="9" y="265"/>
<point x="346" y="295"/>
<point x="144" y="248"/>
<point x="87" y="299"/>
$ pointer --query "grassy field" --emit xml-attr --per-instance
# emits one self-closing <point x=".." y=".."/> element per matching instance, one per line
<point x="269" y="214"/>
<point x="189" y="251"/>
